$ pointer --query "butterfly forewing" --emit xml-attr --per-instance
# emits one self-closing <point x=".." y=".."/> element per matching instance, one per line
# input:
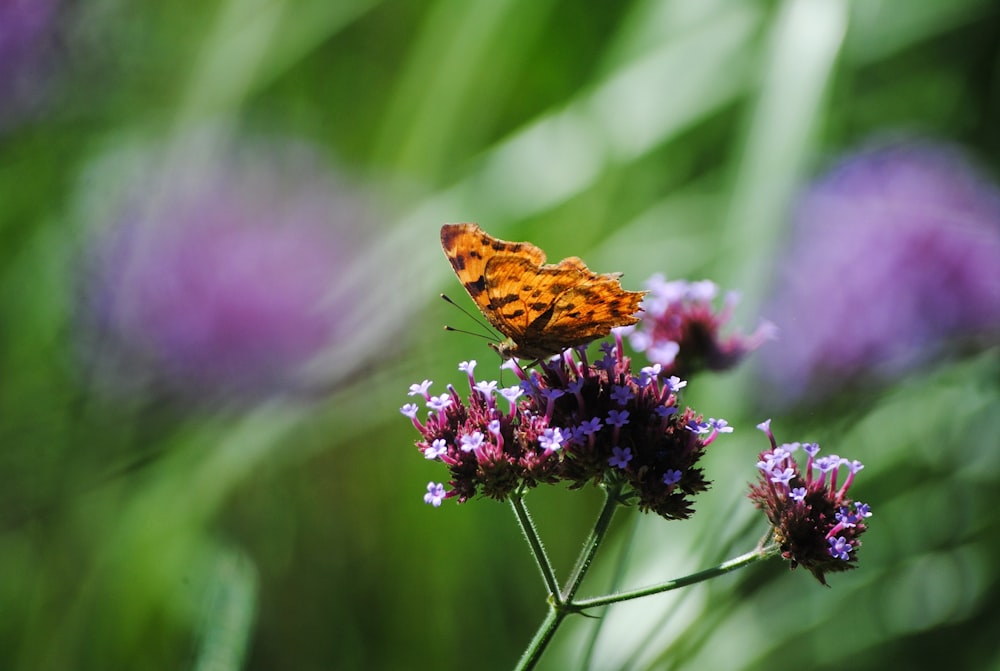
<point x="469" y="249"/>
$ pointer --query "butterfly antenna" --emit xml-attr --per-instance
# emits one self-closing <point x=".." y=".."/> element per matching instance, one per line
<point x="473" y="317"/>
<point x="471" y="333"/>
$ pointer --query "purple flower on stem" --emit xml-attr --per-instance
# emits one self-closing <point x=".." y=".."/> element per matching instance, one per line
<point x="620" y="457"/>
<point x="675" y="384"/>
<point x="618" y="418"/>
<point x="420" y="389"/>
<point x="648" y="374"/>
<point x="32" y="51"/>
<point x="439" y="403"/>
<point x="672" y="477"/>
<point x="486" y="388"/>
<point x="892" y="259"/>
<point x="665" y="411"/>
<point x="468" y="367"/>
<point x="840" y="548"/>
<point x="720" y="425"/>
<point x="621" y="394"/>
<point x="694" y="426"/>
<point x="512" y="394"/>
<point x="216" y="276"/>
<point x="435" y="494"/>
<point x="815" y="524"/>
<point x="680" y="328"/>
<point x="436" y="449"/>
<point x="471" y="441"/>
<point x="551" y="439"/>
<point x="782" y="477"/>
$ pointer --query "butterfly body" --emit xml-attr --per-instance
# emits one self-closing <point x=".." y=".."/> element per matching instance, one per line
<point x="541" y="309"/>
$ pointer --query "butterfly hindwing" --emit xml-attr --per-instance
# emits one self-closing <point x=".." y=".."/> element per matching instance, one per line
<point x="584" y="312"/>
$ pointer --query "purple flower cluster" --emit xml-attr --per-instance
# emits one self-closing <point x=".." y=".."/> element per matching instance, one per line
<point x="680" y="328"/>
<point x="571" y="421"/>
<point x="893" y="255"/>
<point x="29" y="56"/>
<point x="213" y="278"/>
<point x="814" y="522"/>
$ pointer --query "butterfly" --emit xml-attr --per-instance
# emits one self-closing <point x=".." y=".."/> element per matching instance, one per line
<point x="541" y="309"/>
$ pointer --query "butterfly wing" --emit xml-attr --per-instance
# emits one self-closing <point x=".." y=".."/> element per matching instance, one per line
<point x="586" y="311"/>
<point x="469" y="250"/>
<point x="521" y="292"/>
<point x="545" y="309"/>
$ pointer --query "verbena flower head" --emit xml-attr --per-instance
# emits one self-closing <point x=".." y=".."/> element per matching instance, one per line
<point x="815" y="523"/>
<point x="571" y="421"/>
<point x="30" y="34"/>
<point x="681" y="328"/>
<point x="893" y="254"/>
<point x="213" y="278"/>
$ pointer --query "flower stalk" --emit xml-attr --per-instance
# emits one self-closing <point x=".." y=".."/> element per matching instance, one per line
<point x="562" y="603"/>
<point x="535" y="543"/>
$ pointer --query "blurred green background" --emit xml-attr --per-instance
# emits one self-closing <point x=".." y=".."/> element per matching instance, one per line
<point x="142" y="527"/>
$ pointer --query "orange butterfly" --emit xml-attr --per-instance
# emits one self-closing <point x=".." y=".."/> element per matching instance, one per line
<point x="540" y="308"/>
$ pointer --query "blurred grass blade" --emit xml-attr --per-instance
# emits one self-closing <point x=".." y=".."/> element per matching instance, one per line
<point x="803" y="51"/>
<point x="252" y="42"/>
<point x="230" y="611"/>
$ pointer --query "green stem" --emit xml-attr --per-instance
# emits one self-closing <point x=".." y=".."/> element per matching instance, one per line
<point x="535" y="543"/>
<point x="593" y="542"/>
<point x="545" y="632"/>
<point x="618" y="575"/>
<point x="560" y="604"/>
<point x="725" y="567"/>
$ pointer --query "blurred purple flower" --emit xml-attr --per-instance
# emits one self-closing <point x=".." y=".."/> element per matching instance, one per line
<point x="894" y="251"/>
<point x="681" y="328"/>
<point x="28" y="40"/>
<point x="214" y="278"/>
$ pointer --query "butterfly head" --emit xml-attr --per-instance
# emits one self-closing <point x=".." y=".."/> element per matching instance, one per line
<point x="507" y="349"/>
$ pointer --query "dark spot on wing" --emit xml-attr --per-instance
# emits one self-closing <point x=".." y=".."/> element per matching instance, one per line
<point x="448" y="235"/>
<point x="477" y="287"/>
<point x="501" y="301"/>
<point x="537" y="326"/>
